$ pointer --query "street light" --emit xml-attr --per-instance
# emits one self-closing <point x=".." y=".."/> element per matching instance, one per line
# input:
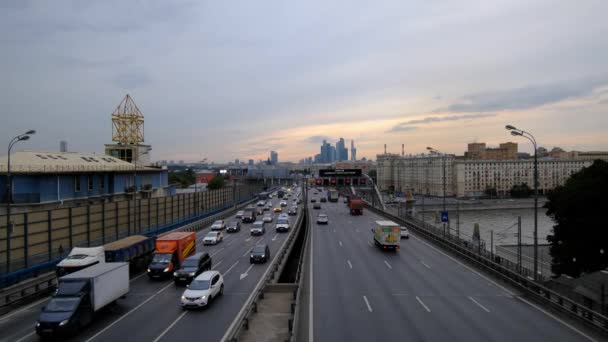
<point x="521" y="133"/>
<point x="9" y="197"/>
<point x="432" y="150"/>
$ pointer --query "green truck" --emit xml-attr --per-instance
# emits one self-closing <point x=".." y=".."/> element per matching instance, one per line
<point x="387" y="235"/>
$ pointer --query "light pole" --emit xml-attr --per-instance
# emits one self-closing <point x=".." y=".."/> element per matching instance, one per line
<point x="444" y="179"/>
<point x="527" y="135"/>
<point x="9" y="193"/>
<point x="136" y="157"/>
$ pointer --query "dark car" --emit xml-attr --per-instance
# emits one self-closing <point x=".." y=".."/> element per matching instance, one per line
<point x="312" y="200"/>
<point x="259" y="253"/>
<point x="323" y="199"/>
<point x="192" y="267"/>
<point x="249" y="216"/>
<point x="317" y="206"/>
<point x="233" y="226"/>
<point x="292" y="211"/>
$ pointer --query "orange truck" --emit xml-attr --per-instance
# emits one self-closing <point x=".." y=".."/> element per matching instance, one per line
<point x="356" y="206"/>
<point x="171" y="250"/>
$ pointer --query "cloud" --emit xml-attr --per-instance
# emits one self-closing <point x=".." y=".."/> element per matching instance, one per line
<point x="525" y="97"/>
<point x="407" y="125"/>
<point x="132" y="79"/>
<point x="318" y="139"/>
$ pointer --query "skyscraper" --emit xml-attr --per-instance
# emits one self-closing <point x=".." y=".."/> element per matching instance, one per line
<point x="353" y="151"/>
<point x="250" y="162"/>
<point x="274" y="158"/>
<point x="63" y="146"/>
<point x="341" y="150"/>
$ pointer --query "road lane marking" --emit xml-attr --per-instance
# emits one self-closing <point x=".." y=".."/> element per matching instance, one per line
<point x="369" y="307"/>
<point x="219" y="250"/>
<point x="25" y="308"/>
<point x="275" y="237"/>
<point x="424" y="263"/>
<point x="349" y="264"/>
<point x="479" y="304"/>
<point x="243" y="275"/>
<point x="217" y="264"/>
<point x="128" y="313"/>
<point x="26" y="336"/>
<point x="230" y="269"/>
<point x="247" y="240"/>
<point x="388" y="265"/>
<point x="246" y="252"/>
<point x="171" y="326"/>
<point x="369" y="243"/>
<point x="423" y="305"/>
<point x="340" y="242"/>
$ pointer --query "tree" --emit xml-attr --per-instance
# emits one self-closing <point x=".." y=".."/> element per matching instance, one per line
<point x="521" y="190"/>
<point x="579" y="242"/>
<point x="184" y="178"/>
<point x="216" y="182"/>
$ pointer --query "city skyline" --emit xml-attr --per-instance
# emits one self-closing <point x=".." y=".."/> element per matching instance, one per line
<point x="184" y="69"/>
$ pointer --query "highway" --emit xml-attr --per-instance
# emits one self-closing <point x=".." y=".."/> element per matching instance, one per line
<point x="151" y="311"/>
<point x="419" y="293"/>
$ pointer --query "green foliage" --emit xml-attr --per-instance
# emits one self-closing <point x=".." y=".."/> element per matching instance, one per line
<point x="521" y="191"/>
<point x="579" y="242"/>
<point x="216" y="182"/>
<point x="183" y="178"/>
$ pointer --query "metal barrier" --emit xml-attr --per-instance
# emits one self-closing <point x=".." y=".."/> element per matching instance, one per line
<point x="295" y="326"/>
<point x="535" y="290"/>
<point x="241" y="321"/>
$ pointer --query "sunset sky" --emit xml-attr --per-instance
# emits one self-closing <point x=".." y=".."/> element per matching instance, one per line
<point x="235" y="79"/>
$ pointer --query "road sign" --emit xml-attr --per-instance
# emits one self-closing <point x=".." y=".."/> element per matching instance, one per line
<point x="444" y="217"/>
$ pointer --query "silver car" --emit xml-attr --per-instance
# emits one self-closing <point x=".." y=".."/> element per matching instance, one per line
<point x="202" y="290"/>
<point x="322" y="219"/>
<point x="267" y="218"/>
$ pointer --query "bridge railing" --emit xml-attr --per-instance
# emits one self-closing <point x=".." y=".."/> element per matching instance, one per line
<point x="480" y="258"/>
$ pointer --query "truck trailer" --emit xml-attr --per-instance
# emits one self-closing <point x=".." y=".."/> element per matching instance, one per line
<point x="355" y="206"/>
<point x="171" y="250"/>
<point x="387" y="235"/>
<point x="333" y="195"/>
<point x="80" y="295"/>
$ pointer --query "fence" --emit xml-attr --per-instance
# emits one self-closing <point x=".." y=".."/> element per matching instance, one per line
<point x="41" y="238"/>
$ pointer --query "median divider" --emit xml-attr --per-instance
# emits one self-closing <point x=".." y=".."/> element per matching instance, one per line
<point x="534" y="290"/>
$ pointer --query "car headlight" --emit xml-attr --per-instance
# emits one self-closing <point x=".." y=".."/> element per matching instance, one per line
<point x="263" y="255"/>
<point x="37" y="324"/>
<point x="149" y="270"/>
<point x="175" y="274"/>
<point x="251" y="256"/>
<point x="62" y="323"/>
<point x="183" y="297"/>
<point x="192" y="274"/>
<point x="166" y="269"/>
<point x="203" y="297"/>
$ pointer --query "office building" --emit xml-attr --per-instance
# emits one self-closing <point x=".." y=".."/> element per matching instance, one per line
<point x="274" y="157"/>
<point x="353" y="151"/>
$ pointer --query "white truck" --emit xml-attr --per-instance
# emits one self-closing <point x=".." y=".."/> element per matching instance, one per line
<point x="387" y="235"/>
<point x="80" y="258"/>
<point x="82" y="294"/>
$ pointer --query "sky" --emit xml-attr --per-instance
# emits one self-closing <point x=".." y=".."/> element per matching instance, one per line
<point x="235" y="79"/>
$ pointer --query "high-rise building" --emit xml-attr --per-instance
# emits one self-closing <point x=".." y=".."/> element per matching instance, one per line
<point x="274" y="158"/>
<point x="63" y="146"/>
<point x="332" y="154"/>
<point x="341" y="150"/>
<point x="353" y="151"/>
<point x="250" y="162"/>
<point x="326" y="152"/>
<point x="237" y="162"/>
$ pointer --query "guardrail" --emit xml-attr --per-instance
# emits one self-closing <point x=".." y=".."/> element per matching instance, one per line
<point x="47" y="282"/>
<point x="241" y="321"/>
<point x="295" y="323"/>
<point x="536" y="291"/>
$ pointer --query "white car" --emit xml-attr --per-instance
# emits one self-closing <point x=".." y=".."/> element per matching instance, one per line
<point x="261" y="203"/>
<point x="213" y="238"/>
<point x="322" y="219"/>
<point x="202" y="290"/>
<point x="267" y="218"/>
<point x="404" y="233"/>
<point x="283" y="203"/>
<point x="282" y="224"/>
<point x="218" y="225"/>
<point x="239" y="214"/>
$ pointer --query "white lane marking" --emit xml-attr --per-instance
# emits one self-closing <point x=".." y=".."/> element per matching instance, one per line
<point x="275" y="237"/>
<point x="230" y="269"/>
<point x="128" y="313"/>
<point x="479" y="304"/>
<point x="423" y="305"/>
<point x="369" y="243"/>
<point x="169" y="327"/>
<point x="219" y="250"/>
<point x="388" y="265"/>
<point x="425" y="264"/>
<point x="246" y="252"/>
<point x="24" y="308"/>
<point x="369" y="307"/>
<point x="217" y="264"/>
<point x="247" y="240"/>
<point x="340" y="242"/>
<point x="349" y="264"/>
<point x="509" y="293"/>
<point x="243" y="275"/>
<point x="26" y="336"/>
<point x="311" y="321"/>
<point x="137" y="277"/>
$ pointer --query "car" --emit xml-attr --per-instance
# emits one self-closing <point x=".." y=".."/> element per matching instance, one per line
<point x="283" y="215"/>
<point x="203" y="290"/>
<point x="282" y="225"/>
<point x="278" y="210"/>
<point x="233" y="226"/>
<point x="322" y="219"/>
<point x="249" y="216"/>
<point x="259" y="211"/>
<point x="261" y="203"/>
<point x="323" y="199"/>
<point x="316" y="206"/>
<point x="293" y="211"/>
<point x="270" y="196"/>
<point x="267" y="218"/>
<point x="313" y="200"/>
<point x="267" y="207"/>
<point x="213" y="238"/>
<point x="345" y="200"/>
<point x="218" y="225"/>
<point x="299" y="200"/>
<point x="257" y="228"/>
<point x="259" y="253"/>
<point x="239" y="214"/>
<point x="192" y="267"/>
<point x="283" y="203"/>
<point x="405" y="233"/>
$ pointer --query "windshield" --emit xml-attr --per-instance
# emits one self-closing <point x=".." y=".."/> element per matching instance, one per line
<point x="199" y="285"/>
<point x="190" y="263"/>
<point x="211" y="234"/>
<point x="161" y="258"/>
<point x="258" y="225"/>
<point x="232" y="223"/>
<point x="217" y="222"/>
<point x="258" y="249"/>
<point x="77" y="256"/>
<point x="322" y="216"/>
<point x="59" y="304"/>
<point x="282" y="221"/>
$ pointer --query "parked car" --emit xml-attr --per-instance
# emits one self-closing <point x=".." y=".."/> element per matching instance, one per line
<point x="257" y="228"/>
<point x="405" y="234"/>
<point x="218" y="225"/>
<point x="192" y="267"/>
<point x="213" y="238"/>
<point x="293" y="211"/>
<point x="202" y="290"/>
<point x="259" y="253"/>
<point x="239" y="214"/>
<point x="316" y="206"/>
<point x="233" y="226"/>
<point x="267" y="218"/>
<point x="322" y="219"/>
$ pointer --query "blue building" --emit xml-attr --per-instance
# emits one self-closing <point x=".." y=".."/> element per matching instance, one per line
<point x="49" y="179"/>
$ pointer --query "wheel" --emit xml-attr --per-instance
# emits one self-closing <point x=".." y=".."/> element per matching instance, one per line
<point x="222" y="290"/>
